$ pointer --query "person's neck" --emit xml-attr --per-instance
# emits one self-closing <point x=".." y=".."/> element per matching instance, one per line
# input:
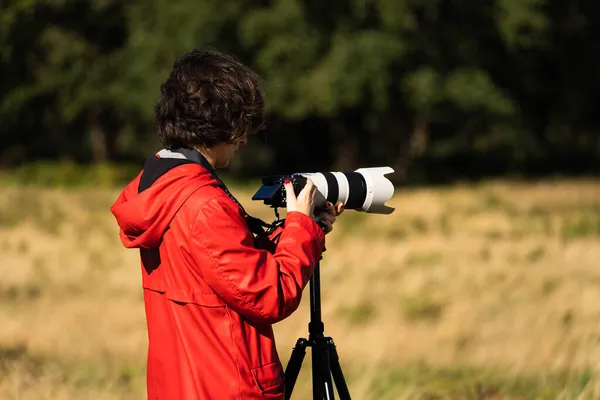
<point x="207" y="154"/>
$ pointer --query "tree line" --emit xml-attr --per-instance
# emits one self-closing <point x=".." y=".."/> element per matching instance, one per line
<point x="437" y="89"/>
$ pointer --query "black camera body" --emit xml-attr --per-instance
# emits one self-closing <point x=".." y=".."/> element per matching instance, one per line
<point x="272" y="191"/>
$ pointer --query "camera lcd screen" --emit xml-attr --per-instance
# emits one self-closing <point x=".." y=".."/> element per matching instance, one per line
<point x="266" y="192"/>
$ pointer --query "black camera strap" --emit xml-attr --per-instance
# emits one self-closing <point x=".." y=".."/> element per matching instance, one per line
<point x="182" y="155"/>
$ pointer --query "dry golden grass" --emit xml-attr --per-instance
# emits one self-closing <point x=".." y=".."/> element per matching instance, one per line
<point x="475" y="291"/>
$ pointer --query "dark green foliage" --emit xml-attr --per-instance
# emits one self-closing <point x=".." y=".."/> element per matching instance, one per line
<point x="437" y="89"/>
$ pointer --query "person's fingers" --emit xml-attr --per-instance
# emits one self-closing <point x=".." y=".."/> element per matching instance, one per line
<point x="339" y="207"/>
<point x="327" y="217"/>
<point x="306" y="198"/>
<point x="330" y="208"/>
<point x="290" y="196"/>
<point x="309" y="185"/>
<point x="305" y="192"/>
<point x="312" y="189"/>
<point x="326" y="221"/>
<point x="309" y="192"/>
<point x="327" y="226"/>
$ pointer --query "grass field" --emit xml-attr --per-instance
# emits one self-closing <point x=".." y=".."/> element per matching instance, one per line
<point x="487" y="291"/>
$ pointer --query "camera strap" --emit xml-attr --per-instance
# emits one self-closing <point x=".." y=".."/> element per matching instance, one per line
<point x="256" y="225"/>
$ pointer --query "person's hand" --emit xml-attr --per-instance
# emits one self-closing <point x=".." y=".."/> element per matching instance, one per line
<point x="305" y="202"/>
<point x="327" y="218"/>
<point x="339" y="208"/>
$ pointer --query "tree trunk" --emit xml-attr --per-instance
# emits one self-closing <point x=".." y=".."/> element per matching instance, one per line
<point x="412" y="146"/>
<point x="97" y="137"/>
<point x="347" y="155"/>
<point x="419" y="139"/>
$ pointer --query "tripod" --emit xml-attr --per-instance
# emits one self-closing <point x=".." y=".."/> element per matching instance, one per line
<point x="325" y="360"/>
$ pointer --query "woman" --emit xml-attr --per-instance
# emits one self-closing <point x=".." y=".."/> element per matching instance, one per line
<point x="212" y="288"/>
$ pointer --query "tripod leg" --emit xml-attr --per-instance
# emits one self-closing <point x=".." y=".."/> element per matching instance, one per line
<point x="293" y="367"/>
<point x="317" y="375"/>
<point x="326" y="371"/>
<point x="336" y="371"/>
<point x="322" y="384"/>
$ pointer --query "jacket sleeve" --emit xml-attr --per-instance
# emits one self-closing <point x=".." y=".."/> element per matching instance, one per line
<point x="262" y="286"/>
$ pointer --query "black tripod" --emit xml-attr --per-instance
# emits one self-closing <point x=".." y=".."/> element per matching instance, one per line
<point x="325" y="360"/>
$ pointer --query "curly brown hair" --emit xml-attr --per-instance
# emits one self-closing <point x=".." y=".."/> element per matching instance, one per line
<point x="209" y="98"/>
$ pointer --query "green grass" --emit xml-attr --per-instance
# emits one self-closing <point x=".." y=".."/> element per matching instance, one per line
<point x="423" y="308"/>
<point x="30" y="205"/>
<point x="69" y="174"/>
<point x="417" y="381"/>
<point x="582" y="224"/>
<point x="424" y="259"/>
<point x="466" y="383"/>
<point x="10" y="293"/>
<point x="473" y="294"/>
<point x="40" y="374"/>
<point x="536" y="254"/>
<point x="359" y="314"/>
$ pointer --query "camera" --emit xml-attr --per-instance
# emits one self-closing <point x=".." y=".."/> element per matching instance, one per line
<point x="272" y="191"/>
<point x="366" y="189"/>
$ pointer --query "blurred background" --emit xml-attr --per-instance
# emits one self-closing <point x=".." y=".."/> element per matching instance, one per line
<point x="484" y="284"/>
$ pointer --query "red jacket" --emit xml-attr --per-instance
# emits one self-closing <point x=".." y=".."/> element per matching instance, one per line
<point x="211" y="295"/>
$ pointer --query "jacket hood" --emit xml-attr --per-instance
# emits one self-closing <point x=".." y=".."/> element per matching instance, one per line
<point x="144" y="215"/>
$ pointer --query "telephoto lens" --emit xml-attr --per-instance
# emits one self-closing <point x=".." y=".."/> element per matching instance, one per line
<point x="366" y="189"/>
